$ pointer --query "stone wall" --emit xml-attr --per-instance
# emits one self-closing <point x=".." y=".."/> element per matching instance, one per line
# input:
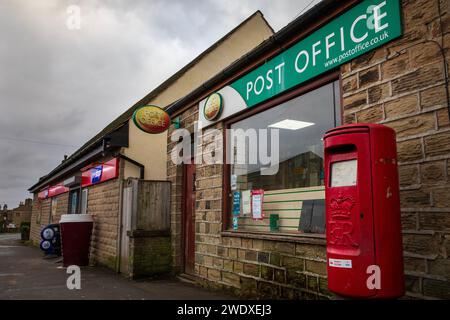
<point x="42" y="214"/>
<point x="401" y="85"/>
<point x="40" y="208"/>
<point x="149" y="255"/>
<point x="103" y="205"/>
<point x="175" y="176"/>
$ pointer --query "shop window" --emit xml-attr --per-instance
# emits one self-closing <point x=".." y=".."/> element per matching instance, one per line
<point x="290" y="200"/>
<point x="74" y="201"/>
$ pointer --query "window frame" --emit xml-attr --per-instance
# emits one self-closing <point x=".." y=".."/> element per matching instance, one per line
<point x="84" y="196"/>
<point x="323" y="80"/>
<point x="78" y="192"/>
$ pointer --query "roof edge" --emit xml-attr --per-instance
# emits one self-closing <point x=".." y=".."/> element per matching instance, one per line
<point x="124" y="117"/>
<point x="274" y="41"/>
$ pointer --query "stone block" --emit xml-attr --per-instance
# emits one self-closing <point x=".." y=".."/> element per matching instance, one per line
<point x="409" y="150"/>
<point x="317" y="267"/>
<point x="433" y="172"/>
<point x="373" y="114"/>
<point x="414" y="125"/>
<point x="369" y="76"/>
<point x="437" y="144"/>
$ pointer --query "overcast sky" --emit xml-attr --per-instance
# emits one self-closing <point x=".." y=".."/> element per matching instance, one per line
<point x="59" y="87"/>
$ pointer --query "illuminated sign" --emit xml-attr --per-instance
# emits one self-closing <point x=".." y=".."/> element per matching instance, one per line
<point x="52" y="191"/>
<point x="213" y="107"/>
<point x="96" y="174"/>
<point x="43" y="194"/>
<point x="100" y="172"/>
<point x="151" y="119"/>
<point x="56" y="190"/>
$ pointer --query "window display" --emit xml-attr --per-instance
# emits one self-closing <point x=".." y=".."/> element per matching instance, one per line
<point x="301" y="122"/>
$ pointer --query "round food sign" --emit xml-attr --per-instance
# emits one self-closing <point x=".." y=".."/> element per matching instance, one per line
<point x="213" y="107"/>
<point x="151" y="119"/>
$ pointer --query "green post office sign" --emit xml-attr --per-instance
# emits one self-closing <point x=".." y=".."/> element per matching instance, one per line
<point x="365" y="27"/>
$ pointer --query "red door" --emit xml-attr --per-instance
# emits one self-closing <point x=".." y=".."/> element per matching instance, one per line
<point x="189" y="219"/>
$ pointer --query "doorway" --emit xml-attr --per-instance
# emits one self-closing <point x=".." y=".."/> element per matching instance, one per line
<point x="189" y="219"/>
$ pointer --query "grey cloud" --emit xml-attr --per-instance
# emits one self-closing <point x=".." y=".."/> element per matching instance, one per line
<point x="62" y="87"/>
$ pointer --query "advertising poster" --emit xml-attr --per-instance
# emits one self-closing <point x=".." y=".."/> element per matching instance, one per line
<point x="233" y="182"/>
<point x="236" y="203"/>
<point x="235" y="223"/>
<point x="257" y="202"/>
<point x="246" y="202"/>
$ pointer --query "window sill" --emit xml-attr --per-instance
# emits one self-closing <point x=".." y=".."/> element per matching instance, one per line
<point x="318" y="239"/>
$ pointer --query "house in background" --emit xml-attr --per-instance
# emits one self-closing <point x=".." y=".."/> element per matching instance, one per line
<point x="22" y="213"/>
<point x="14" y="217"/>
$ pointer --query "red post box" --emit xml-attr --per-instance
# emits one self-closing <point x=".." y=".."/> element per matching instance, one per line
<point x="363" y="227"/>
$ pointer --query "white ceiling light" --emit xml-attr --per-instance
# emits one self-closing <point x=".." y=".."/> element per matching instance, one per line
<point x="291" y="124"/>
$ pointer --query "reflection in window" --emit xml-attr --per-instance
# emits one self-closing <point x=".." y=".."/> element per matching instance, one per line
<point x="302" y="123"/>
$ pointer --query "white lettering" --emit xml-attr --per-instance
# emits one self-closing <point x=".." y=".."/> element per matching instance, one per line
<point x="342" y="39"/>
<point x="302" y="53"/>
<point x="352" y="30"/>
<point x="279" y="68"/>
<point x="258" y="92"/>
<point x="74" y="280"/>
<point x="73" y="21"/>
<point x="315" y="52"/>
<point x="378" y="16"/>
<point x="249" y="88"/>
<point x="329" y="44"/>
<point x="374" y="280"/>
<point x="269" y="79"/>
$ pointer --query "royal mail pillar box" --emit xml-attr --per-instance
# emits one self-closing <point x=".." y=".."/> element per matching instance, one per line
<point x="363" y="228"/>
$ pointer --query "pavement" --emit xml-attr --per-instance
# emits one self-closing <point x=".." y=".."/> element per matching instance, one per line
<point x="25" y="274"/>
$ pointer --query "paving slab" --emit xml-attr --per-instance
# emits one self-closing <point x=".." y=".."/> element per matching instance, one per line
<point x="25" y="274"/>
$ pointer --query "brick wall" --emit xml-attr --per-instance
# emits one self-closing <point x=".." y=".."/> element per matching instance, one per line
<point x="103" y="205"/>
<point x="401" y="85"/>
<point x="41" y="214"/>
<point x="41" y="208"/>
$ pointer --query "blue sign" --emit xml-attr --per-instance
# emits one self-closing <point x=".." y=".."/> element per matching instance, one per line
<point x="236" y="203"/>
<point x="235" y="223"/>
<point x="96" y="174"/>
